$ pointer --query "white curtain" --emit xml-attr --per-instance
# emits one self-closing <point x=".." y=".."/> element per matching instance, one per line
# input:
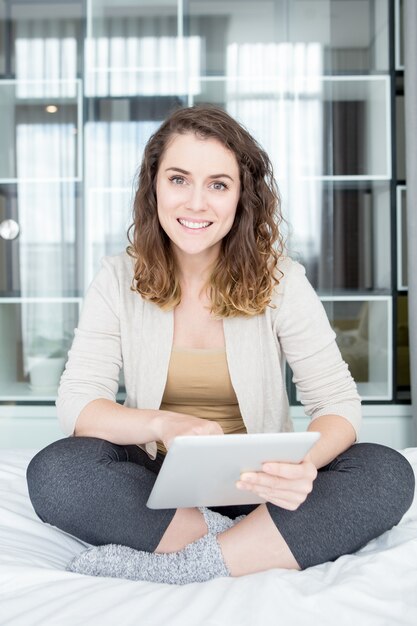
<point x="281" y="103"/>
<point x="46" y="167"/>
<point x="139" y="56"/>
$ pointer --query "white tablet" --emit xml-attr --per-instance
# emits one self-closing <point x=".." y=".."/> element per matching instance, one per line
<point x="203" y="470"/>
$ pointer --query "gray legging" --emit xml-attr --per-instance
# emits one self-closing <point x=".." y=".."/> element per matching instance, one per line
<point x="97" y="491"/>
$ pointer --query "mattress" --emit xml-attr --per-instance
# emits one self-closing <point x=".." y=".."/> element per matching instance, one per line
<point x="376" y="586"/>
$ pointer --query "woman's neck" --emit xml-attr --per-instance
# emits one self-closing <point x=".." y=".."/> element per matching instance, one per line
<point x="194" y="271"/>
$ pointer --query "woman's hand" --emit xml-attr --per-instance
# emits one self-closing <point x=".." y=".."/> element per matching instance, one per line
<point x="284" y="484"/>
<point x="171" y="425"/>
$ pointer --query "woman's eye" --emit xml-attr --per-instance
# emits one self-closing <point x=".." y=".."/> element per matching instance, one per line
<point x="219" y="186"/>
<point x="177" y="180"/>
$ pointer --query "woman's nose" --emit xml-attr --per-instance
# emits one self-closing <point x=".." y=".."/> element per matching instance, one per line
<point x="197" y="200"/>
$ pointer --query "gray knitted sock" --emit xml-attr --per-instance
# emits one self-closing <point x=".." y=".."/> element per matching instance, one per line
<point x="199" y="561"/>
<point x="216" y="522"/>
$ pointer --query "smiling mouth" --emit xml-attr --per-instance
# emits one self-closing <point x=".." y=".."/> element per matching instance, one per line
<point x="194" y="225"/>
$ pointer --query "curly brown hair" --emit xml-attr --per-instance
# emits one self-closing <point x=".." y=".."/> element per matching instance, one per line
<point x="244" y="276"/>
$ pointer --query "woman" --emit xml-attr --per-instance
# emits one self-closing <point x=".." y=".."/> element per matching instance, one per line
<point x="200" y="313"/>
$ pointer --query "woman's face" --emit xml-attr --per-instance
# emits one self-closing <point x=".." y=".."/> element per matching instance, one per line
<point x="197" y="191"/>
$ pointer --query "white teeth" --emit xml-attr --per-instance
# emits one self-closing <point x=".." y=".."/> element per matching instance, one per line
<point x="194" y="225"/>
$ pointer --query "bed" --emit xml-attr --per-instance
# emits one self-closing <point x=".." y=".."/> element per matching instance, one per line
<point x="376" y="586"/>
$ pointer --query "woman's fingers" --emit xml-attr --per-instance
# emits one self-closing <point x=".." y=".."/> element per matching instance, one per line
<point x="285" y="498"/>
<point x="285" y="475"/>
<point x="180" y="424"/>
<point x="292" y="471"/>
<point x="271" y="483"/>
<point x="283" y="484"/>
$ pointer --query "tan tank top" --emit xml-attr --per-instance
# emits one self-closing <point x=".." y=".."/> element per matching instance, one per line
<point x="199" y="384"/>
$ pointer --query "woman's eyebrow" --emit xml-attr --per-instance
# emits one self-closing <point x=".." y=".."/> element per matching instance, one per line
<point x="179" y="169"/>
<point x="220" y="176"/>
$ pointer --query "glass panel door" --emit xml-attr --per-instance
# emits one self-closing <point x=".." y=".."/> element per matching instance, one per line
<point x="364" y="336"/>
<point x="83" y="85"/>
<point x="42" y="255"/>
<point x="36" y="337"/>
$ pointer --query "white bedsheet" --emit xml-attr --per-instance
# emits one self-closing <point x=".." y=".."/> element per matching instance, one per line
<point x="377" y="586"/>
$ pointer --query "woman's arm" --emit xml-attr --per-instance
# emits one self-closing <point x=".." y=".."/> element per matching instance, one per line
<point x="95" y="358"/>
<point x="109" y="420"/>
<point x="122" y="425"/>
<point x="325" y="387"/>
<point x="308" y="342"/>
<point x="337" y="435"/>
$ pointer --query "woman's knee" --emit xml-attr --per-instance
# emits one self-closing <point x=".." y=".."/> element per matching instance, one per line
<point x="50" y="461"/>
<point x="45" y="462"/>
<point x="401" y="475"/>
<point x="52" y="470"/>
<point x="386" y="474"/>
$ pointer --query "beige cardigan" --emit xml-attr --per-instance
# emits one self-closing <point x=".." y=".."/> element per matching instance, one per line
<point x="118" y="328"/>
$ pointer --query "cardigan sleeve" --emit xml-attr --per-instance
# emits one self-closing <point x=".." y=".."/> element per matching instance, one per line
<point x="322" y="378"/>
<point x="95" y="357"/>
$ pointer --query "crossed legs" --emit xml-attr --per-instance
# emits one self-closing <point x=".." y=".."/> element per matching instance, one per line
<point x="98" y="491"/>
